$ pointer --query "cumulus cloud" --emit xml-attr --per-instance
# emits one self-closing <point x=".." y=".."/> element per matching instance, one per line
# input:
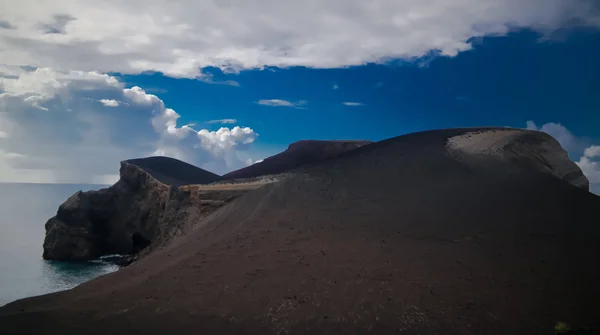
<point x="225" y="138"/>
<point x="352" y="103"/>
<point x="590" y="165"/>
<point x="109" y="102"/>
<point x="44" y="83"/>
<point x="222" y="121"/>
<point x="335" y="86"/>
<point x="54" y="130"/>
<point x="154" y="35"/>
<point x="593" y="151"/>
<point x="560" y="133"/>
<point x="281" y="103"/>
<point x="588" y="155"/>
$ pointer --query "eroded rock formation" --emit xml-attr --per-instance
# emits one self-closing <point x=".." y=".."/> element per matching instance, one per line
<point x="94" y="223"/>
<point x="126" y="217"/>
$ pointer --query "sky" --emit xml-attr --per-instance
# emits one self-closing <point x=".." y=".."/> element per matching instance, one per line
<point x="222" y="84"/>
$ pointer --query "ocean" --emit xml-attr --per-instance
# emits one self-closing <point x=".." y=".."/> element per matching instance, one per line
<point x="24" y="209"/>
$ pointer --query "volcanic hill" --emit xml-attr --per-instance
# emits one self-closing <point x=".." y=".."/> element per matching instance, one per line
<point x="457" y="231"/>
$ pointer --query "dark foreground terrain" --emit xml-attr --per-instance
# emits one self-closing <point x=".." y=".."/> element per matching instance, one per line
<point x="493" y="232"/>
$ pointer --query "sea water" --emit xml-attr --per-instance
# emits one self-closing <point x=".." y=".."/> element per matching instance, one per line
<point x="24" y="209"/>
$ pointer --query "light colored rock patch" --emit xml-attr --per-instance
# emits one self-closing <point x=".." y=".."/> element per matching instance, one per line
<point x="490" y="142"/>
<point x="533" y="149"/>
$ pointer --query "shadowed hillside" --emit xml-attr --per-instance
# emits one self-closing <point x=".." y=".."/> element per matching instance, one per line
<point x="298" y="154"/>
<point x="171" y="171"/>
<point x="460" y="231"/>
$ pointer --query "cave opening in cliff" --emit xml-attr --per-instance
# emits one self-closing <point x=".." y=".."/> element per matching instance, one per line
<point x="101" y="233"/>
<point x="139" y="242"/>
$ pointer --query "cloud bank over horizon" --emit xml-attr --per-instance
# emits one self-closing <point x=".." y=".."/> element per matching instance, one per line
<point x="74" y="126"/>
<point x="233" y="35"/>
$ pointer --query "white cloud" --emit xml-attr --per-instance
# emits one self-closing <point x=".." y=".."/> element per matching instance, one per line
<point x="155" y="35"/>
<point x="75" y="139"/>
<point x="45" y="82"/>
<point x="222" y="121"/>
<point x="335" y="87"/>
<point x="590" y="165"/>
<point x="226" y="138"/>
<point x="588" y="154"/>
<point x="566" y="139"/>
<point x="35" y="101"/>
<point x="228" y="82"/>
<point x="281" y="103"/>
<point x="109" y="102"/>
<point x="592" y="152"/>
<point x="139" y="96"/>
<point x="3" y="134"/>
<point x="209" y="80"/>
<point x="352" y="104"/>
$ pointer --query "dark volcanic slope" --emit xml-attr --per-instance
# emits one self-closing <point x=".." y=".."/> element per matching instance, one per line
<point x="418" y="234"/>
<point x="174" y="172"/>
<point x="297" y="154"/>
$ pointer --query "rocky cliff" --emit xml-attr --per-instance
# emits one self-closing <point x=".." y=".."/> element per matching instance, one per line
<point x="94" y="223"/>
<point x="126" y="217"/>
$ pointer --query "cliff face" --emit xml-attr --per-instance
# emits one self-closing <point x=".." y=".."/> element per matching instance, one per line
<point x="94" y="223"/>
<point x="125" y="218"/>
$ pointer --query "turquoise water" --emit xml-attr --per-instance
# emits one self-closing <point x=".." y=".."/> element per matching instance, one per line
<point x="24" y="209"/>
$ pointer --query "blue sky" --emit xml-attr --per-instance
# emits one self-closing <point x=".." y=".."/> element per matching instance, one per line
<point x="224" y="84"/>
<point x="503" y="81"/>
